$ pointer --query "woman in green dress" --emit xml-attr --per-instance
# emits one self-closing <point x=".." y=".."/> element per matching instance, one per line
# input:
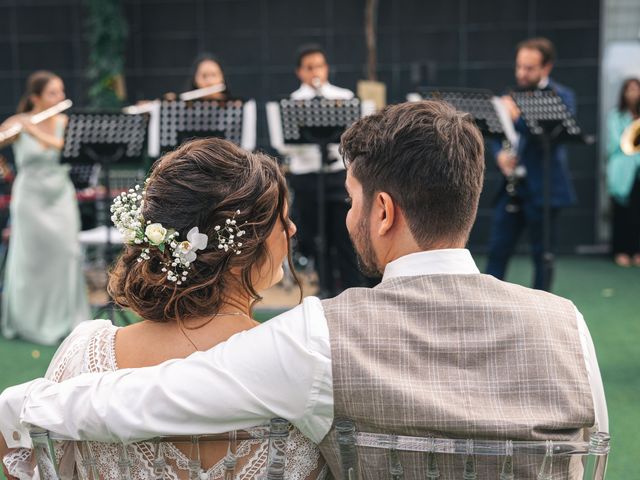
<point x="44" y="294"/>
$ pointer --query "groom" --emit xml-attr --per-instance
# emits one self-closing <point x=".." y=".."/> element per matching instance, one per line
<point x="435" y="348"/>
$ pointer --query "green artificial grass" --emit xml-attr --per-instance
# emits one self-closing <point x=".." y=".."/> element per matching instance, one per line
<point x="608" y="296"/>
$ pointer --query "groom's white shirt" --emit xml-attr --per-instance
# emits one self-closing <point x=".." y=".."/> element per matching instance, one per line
<point x="281" y="368"/>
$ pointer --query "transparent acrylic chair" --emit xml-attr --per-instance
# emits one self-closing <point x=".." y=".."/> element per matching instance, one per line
<point x="378" y="456"/>
<point x="277" y="434"/>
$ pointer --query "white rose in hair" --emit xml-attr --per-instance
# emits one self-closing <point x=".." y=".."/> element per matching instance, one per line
<point x="156" y="233"/>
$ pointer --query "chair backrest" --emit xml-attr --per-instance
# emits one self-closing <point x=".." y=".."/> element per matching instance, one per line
<point x="277" y="435"/>
<point x="462" y="456"/>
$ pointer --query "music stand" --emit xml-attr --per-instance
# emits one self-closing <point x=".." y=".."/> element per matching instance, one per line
<point x="233" y="120"/>
<point x="548" y="118"/>
<point x="101" y="139"/>
<point x="318" y="121"/>
<point x="480" y="103"/>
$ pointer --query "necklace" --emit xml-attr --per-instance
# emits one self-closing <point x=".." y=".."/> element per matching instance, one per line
<point x="195" y="347"/>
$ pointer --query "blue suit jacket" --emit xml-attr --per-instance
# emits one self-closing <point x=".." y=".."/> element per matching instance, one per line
<point x="531" y="156"/>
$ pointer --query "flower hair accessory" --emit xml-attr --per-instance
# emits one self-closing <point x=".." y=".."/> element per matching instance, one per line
<point x="229" y="235"/>
<point x="127" y="216"/>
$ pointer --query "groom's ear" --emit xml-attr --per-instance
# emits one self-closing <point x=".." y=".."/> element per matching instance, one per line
<point x="384" y="209"/>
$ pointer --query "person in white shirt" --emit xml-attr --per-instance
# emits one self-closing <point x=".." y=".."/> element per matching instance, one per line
<point x="305" y="161"/>
<point x="435" y="347"/>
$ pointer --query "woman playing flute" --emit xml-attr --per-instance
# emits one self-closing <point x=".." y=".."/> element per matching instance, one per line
<point x="44" y="293"/>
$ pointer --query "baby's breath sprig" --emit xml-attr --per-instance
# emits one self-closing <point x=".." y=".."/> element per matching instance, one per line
<point x="229" y="235"/>
<point x="126" y="215"/>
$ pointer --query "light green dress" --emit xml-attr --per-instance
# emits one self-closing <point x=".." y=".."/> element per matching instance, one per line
<point x="44" y="293"/>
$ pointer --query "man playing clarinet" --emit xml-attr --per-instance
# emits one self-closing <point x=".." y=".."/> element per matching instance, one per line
<point x="534" y="62"/>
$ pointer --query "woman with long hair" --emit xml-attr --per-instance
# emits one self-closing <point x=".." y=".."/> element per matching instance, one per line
<point x="207" y="71"/>
<point x="623" y="178"/>
<point x="44" y="294"/>
<point x="207" y="232"/>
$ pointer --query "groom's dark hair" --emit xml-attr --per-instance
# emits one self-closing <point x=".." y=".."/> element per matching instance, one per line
<point x="429" y="157"/>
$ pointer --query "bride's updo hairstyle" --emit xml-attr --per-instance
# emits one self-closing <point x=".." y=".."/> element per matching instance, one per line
<point x="202" y="184"/>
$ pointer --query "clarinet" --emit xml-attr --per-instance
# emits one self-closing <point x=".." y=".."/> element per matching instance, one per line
<point x="513" y="181"/>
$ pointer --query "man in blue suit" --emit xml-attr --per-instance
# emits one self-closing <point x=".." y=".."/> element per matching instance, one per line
<point x="534" y="62"/>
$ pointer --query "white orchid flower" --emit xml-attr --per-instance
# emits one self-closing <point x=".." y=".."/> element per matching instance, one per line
<point x="195" y="241"/>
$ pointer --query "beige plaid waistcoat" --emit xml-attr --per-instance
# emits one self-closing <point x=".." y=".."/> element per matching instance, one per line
<point x="458" y="356"/>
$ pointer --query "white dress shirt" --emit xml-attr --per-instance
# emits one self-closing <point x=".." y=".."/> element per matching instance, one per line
<point x="281" y="368"/>
<point x="307" y="158"/>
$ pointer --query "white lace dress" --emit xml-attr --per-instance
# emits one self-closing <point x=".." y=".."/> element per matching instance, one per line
<point x="91" y="348"/>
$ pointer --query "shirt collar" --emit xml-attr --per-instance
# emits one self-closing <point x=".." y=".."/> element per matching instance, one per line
<point x="307" y="90"/>
<point x="447" y="261"/>
<point x="543" y="83"/>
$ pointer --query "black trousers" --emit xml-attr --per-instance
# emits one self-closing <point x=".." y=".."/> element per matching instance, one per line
<point x="625" y="236"/>
<point x="340" y="261"/>
<point x="506" y="230"/>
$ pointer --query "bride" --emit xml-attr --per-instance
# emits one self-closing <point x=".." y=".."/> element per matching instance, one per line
<point x="208" y="231"/>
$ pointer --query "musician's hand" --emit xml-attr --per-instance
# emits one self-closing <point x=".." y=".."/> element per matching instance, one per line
<point x="506" y="162"/>
<point x="25" y="121"/>
<point x="512" y="108"/>
<point x="4" y="450"/>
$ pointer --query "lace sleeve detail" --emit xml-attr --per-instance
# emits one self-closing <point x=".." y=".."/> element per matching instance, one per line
<point x="100" y="354"/>
<point x="69" y="359"/>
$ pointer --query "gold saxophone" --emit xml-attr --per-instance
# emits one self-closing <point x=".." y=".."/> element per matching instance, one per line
<point x="630" y="139"/>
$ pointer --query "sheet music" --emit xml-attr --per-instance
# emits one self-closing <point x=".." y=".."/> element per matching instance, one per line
<point x="505" y="121"/>
<point x="275" y="126"/>
<point x="249" y="117"/>
<point x="153" y="136"/>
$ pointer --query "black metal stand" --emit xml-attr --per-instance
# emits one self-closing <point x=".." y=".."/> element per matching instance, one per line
<point x="319" y="121"/>
<point x="549" y="120"/>
<point x="111" y="310"/>
<point x="180" y="121"/>
<point x="105" y="161"/>
<point x="104" y="139"/>
<point x="323" y="141"/>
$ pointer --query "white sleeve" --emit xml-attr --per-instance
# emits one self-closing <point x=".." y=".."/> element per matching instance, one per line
<point x="66" y="363"/>
<point x="279" y="369"/>
<point x="593" y="372"/>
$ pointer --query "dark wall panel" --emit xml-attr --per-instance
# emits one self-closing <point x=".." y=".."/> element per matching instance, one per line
<point x="465" y="43"/>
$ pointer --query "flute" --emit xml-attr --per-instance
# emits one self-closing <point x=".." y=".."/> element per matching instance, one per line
<point x="37" y="118"/>
<point x="202" y="92"/>
<point x="147" y="107"/>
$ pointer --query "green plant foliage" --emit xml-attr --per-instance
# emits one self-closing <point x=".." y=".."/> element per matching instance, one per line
<point x="107" y="35"/>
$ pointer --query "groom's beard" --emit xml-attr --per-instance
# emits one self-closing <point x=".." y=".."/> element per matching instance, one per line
<point x="364" y="249"/>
